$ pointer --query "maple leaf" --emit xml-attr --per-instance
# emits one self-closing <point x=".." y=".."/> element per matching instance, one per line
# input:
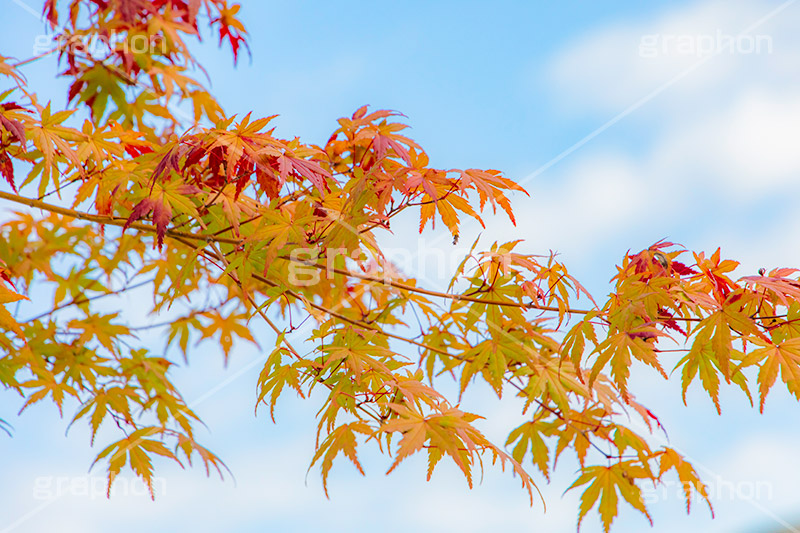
<point x="192" y="9"/>
<point x="489" y="184"/>
<point x="438" y="195"/>
<point x="116" y="399"/>
<point x="713" y="269"/>
<point x="623" y="439"/>
<point x="101" y="328"/>
<point x="275" y="376"/>
<point x="411" y="389"/>
<point x="719" y="325"/>
<point x="7" y="295"/>
<point x="703" y="359"/>
<point x="181" y="329"/>
<point x="46" y="383"/>
<point x="9" y="70"/>
<point x="97" y="84"/>
<point x="553" y="380"/>
<point x="310" y="170"/>
<point x="620" y="348"/>
<point x="772" y="358"/>
<point x="785" y="290"/>
<point x="276" y="227"/>
<point x="341" y="440"/>
<point x="574" y="344"/>
<point x="530" y="438"/>
<point x="134" y="450"/>
<point x="162" y="214"/>
<point x="669" y="459"/>
<point x="446" y="431"/>
<point x="608" y="483"/>
<point x="129" y="9"/>
<point x="12" y="123"/>
<point x="189" y="447"/>
<point x="231" y="28"/>
<point x="681" y="269"/>
<point x="357" y="354"/>
<point x="490" y="357"/>
<point x="571" y="433"/>
<point x="383" y="143"/>
<point x="51" y="140"/>
<point x="7" y="169"/>
<point x="646" y="414"/>
<point x="170" y="162"/>
<point x="160" y="202"/>
<point x="50" y="13"/>
<point x="227" y="327"/>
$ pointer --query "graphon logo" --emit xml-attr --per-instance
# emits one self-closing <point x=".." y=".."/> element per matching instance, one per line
<point x="437" y="261"/>
<point x="717" y="490"/>
<point x="94" y="487"/>
<point x="702" y="45"/>
<point x="98" y="45"/>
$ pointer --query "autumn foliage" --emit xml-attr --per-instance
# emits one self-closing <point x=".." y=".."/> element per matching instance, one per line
<point x="144" y="181"/>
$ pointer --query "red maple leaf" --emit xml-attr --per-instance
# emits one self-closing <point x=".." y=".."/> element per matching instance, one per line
<point x="14" y="127"/>
<point x="306" y="169"/>
<point x="7" y="169"/>
<point x="162" y="214"/>
<point x="681" y="269"/>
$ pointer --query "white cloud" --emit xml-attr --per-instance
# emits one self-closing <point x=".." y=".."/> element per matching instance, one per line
<point x="599" y="195"/>
<point x="748" y="148"/>
<point x="617" y="65"/>
<point x="720" y="142"/>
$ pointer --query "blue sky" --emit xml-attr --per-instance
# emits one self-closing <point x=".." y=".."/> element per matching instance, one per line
<point x="698" y="148"/>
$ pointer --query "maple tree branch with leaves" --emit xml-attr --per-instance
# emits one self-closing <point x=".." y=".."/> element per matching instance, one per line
<point x="216" y="220"/>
